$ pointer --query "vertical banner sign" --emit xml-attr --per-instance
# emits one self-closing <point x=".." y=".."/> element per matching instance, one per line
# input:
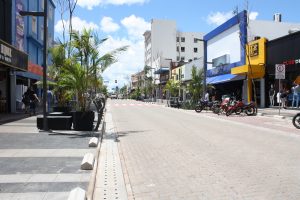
<point x="19" y="26"/>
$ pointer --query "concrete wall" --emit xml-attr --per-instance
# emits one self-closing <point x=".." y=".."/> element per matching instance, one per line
<point x="189" y="45"/>
<point x="163" y="37"/>
<point x="227" y="42"/>
<point x="269" y="29"/>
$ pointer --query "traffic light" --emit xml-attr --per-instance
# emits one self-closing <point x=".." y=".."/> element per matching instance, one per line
<point x="116" y="81"/>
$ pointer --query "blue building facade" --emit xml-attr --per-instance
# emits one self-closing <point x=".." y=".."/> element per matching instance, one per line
<point x="28" y="36"/>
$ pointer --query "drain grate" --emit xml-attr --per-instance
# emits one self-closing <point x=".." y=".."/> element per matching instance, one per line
<point x="111" y="179"/>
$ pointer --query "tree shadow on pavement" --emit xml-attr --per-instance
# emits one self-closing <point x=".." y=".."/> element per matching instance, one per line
<point x="75" y="135"/>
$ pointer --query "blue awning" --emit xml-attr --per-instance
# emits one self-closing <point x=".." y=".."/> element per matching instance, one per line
<point x="223" y="78"/>
<point x="161" y="70"/>
<point x="29" y="75"/>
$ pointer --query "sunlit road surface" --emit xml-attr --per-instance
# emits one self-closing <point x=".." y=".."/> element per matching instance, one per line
<point x="169" y="153"/>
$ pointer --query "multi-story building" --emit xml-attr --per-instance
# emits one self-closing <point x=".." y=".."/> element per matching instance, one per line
<point x="137" y="81"/>
<point x="164" y="45"/>
<point x="11" y="59"/>
<point x="226" y="49"/>
<point x="28" y="35"/>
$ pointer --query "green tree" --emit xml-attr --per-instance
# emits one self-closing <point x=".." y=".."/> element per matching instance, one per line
<point x="81" y="73"/>
<point x="195" y="87"/>
<point x="173" y="87"/>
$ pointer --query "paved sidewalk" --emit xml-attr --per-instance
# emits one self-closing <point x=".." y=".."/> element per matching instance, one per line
<point x="285" y="113"/>
<point x="110" y="183"/>
<point x="40" y="165"/>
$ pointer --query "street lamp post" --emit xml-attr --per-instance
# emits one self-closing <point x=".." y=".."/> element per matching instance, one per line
<point x="45" y="15"/>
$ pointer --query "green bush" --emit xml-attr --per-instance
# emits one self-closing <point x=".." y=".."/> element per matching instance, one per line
<point x="188" y="105"/>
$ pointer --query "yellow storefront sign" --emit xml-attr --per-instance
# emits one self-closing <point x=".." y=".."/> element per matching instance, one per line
<point x="255" y="60"/>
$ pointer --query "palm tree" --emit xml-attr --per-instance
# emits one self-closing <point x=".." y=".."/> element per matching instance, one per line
<point x="82" y="73"/>
<point x="195" y="87"/>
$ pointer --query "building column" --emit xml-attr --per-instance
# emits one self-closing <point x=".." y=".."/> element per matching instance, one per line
<point x="262" y="93"/>
<point x="249" y="89"/>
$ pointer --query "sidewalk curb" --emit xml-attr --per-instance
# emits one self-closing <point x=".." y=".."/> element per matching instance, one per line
<point x="92" y="182"/>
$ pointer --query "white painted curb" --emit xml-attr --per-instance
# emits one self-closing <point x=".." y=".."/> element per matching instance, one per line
<point x="87" y="162"/>
<point x="279" y="116"/>
<point x="93" y="142"/>
<point x="77" y="194"/>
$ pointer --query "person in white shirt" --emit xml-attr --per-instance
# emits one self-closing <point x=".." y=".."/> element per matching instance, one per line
<point x="206" y="96"/>
<point x="296" y="91"/>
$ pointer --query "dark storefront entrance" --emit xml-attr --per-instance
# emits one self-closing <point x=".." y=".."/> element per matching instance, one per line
<point x="284" y="50"/>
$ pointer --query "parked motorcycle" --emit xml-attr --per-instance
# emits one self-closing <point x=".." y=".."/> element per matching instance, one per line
<point x="206" y="105"/>
<point x="296" y="120"/>
<point x="238" y="107"/>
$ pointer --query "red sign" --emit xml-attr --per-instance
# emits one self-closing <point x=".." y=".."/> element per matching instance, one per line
<point x="35" y="69"/>
<point x="291" y="62"/>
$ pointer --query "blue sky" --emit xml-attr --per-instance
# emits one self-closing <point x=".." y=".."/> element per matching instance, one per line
<point x="124" y="22"/>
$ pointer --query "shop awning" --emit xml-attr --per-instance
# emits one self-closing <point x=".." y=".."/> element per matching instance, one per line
<point x="253" y="71"/>
<point x="223" y="78"/>
<point x="161" y="70"/>
<point x="29" y="75"/>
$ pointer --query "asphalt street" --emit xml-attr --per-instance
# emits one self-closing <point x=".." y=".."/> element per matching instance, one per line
<point x="171" y="153"/>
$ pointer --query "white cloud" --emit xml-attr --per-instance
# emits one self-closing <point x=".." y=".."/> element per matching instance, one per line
<point x="78" y="24"/>
<point x="136" y="26"/>
<point x="218" y="18"/>
<point x="90" y="4"/>
<point x="107" y="25"/>
<point x="129" y="62"/>
<point x="253" y="15"/>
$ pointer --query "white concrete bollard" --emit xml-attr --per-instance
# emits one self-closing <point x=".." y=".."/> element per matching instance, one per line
<point x="77" y="194"/>
<point x="87" y="162"/>
<point x="93" y="142"/>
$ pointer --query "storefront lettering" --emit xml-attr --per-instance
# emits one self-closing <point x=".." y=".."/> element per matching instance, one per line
<point x="292" y="62"/>
<point x="5" y="53"/>
<point x="254" y="50"/>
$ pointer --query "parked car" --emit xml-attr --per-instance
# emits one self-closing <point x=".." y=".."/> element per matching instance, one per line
<point x="113" y="96"/>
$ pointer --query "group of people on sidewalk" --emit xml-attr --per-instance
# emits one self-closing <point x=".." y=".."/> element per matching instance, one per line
<point x="282" y="96"/>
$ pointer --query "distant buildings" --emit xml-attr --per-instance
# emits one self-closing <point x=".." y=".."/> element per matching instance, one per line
<point x="235" y="56"/>
<point x="165" y="46"/>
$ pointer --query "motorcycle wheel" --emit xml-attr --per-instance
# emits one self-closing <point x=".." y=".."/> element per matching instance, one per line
<point x="250" y="111"/>
<point x="296" y="121"/>
<point x="198" y="109"/>
<point x="238" y="111"/>
<point x="228" y="112"/>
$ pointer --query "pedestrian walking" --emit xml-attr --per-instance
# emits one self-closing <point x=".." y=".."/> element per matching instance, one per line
<point x="49" y="99"/>
<point x="283" y="96"/>
<point x="271" y="95"/>
<point x="34" y="100"/>
<point x="296" y="91"/>
<point x="26" y="100"/>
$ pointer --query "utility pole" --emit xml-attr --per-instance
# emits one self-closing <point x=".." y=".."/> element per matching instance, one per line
<point x="45" y="15"/>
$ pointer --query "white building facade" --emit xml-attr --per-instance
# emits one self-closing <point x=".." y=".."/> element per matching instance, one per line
<point x="165" y="45"/>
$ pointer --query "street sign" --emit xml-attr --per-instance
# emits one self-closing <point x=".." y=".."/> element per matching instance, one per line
<point x="279" y="71"/>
